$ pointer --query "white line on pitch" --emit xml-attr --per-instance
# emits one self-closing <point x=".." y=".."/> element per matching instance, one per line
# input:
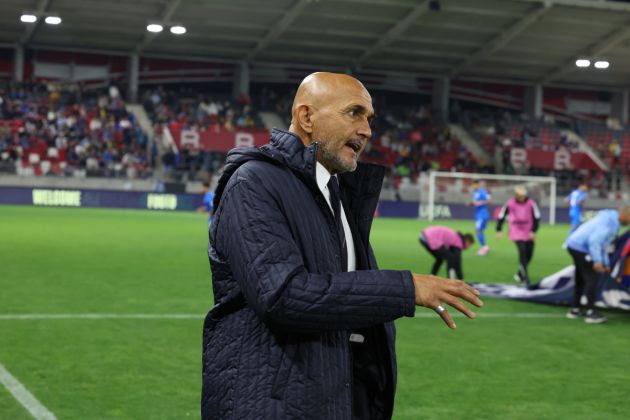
<point x="497" y="315"/>
<point x="24" y="397"/>
<point x="426" y="314"/>
<point x="98" y="316"/>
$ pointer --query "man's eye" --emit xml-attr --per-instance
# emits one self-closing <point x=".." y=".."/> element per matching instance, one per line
<point x="352" y="112"/>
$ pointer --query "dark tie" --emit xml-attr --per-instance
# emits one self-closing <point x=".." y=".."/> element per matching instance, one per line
<point x="335" y="202"/>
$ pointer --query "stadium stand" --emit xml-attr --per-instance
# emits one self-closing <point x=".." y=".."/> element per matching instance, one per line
<point x="499" y="131"/>
<point x="409" y="142"/>
<point x="187" y="107"/>
<point x="65" y="130"/>
<point x="60" y="129"/>
<point x="612" y="144"/>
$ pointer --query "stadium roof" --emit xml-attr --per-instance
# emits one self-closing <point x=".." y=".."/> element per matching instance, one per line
<point x="516" y="40"/>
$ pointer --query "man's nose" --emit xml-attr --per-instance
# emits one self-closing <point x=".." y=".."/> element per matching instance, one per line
<point x="365" y="130"/>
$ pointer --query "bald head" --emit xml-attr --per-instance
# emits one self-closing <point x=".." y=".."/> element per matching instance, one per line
<point x="321" y="88"/>
<point x="334" y="110"/>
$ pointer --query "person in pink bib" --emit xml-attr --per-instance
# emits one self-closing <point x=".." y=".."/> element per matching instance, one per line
<point x="523" y="219"/>
<point x="446" y="244"/>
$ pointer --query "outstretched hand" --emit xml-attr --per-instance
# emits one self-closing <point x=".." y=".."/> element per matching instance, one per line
<point x="432" y="292"/>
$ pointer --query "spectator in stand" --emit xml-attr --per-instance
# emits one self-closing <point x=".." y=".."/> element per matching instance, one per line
<point x="480" y="199"/>
<point x="523" y="219"/>
<point x="576" y="200"/>
<point x="615" y="151"/>
<point x="563" y="141"/>
<point x="446" y="244"/>
<point x="588" y="248"/>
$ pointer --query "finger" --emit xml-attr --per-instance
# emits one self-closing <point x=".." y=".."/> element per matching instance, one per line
<point x="446" y="317"/>
<point x="462" y="284"/>
<point x="472" y="298"/>
<point x="459" y="305"/>
<point x="466" y="292"/>
<point x="472" y="289"/>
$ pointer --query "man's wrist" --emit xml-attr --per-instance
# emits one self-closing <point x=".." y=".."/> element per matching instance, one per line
<point x="410" y="298"/>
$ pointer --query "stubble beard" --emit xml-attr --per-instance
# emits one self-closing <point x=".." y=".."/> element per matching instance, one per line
<point x="333" y="161"/>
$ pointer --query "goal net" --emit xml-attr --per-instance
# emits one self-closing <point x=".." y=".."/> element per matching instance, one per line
<point x="446" y="194"/>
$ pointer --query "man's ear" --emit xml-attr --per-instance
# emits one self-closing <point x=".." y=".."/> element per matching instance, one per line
<point x="304" y="114"/>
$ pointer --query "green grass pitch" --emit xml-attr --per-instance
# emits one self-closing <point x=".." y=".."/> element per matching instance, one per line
<point x="78" y="261"/>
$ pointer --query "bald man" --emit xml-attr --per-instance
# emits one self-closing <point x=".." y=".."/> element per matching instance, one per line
<point x="302" y="327"/>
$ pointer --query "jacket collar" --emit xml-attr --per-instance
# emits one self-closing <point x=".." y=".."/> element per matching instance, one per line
<point x="287" y="149"/>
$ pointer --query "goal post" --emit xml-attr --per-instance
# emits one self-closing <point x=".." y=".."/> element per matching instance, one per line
<point x="450" y="187"/>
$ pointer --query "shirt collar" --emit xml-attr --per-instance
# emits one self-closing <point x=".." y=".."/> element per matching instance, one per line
<point x="322" y="175"/>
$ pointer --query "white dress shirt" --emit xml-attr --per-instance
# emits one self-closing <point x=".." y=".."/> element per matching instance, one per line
<point x="323" y="176"/>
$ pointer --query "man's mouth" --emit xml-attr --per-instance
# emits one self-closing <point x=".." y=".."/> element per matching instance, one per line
<point x="354" y="145"/>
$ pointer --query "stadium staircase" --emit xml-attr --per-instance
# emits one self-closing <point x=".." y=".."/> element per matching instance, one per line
<point x="145" y="123"/>
<point x="585" y="147"/>
<point x="272" y="120"/>
<point x="142" y="118"/>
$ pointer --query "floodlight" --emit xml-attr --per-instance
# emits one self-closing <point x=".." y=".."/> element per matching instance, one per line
<point x="602" y="64"/>
<point x="154" y="27"/>
<point x="28" y="18"/>
<point x="583" y="62"/>
<point x="52" y="20"/>
<point x="178" y="30"/>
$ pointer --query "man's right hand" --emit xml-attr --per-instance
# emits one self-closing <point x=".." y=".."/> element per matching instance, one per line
<point x="432" y="292"/>
<point x="600" y="268"/>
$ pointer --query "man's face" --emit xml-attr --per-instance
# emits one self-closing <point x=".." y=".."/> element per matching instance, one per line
<point x="519" y="198"/>
<point x="342" y="128"/>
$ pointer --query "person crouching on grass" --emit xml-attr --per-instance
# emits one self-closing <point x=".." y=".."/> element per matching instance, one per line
<point x="446" y="244"/>
<point x="588" y="247"/>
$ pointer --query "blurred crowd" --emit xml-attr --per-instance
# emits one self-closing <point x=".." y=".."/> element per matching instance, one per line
<point x="500" y="130"/>
<point x="407" y="140"/>
<point x="60" y="129"/>
<point x="191" y="109"/>
<point x="65" y="130"/>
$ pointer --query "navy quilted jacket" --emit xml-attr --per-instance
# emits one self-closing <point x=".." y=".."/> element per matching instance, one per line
<point x="276" y="344"/>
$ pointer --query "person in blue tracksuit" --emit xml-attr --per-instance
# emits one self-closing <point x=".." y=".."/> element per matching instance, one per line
<point x="576" y="200"/>
<point x="480" y="199"/>
<point x="208" y="198"/>
<point x="587" y="246"/>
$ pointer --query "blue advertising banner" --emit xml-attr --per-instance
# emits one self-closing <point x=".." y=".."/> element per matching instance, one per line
<point x="61" y="197"/>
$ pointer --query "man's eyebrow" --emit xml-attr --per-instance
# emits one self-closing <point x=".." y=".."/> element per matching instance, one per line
<point x="360" y="108"/>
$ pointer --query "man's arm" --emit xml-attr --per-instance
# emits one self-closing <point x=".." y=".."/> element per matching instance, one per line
<point x="254" y="237"/>
<point x="267" y="264"/>
<point x="597" y="244"/>
<point x="502" y="215"/>
<point x="535" y="216"/>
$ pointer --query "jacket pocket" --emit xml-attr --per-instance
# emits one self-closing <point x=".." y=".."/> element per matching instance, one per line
<point x="283" y="374"/>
